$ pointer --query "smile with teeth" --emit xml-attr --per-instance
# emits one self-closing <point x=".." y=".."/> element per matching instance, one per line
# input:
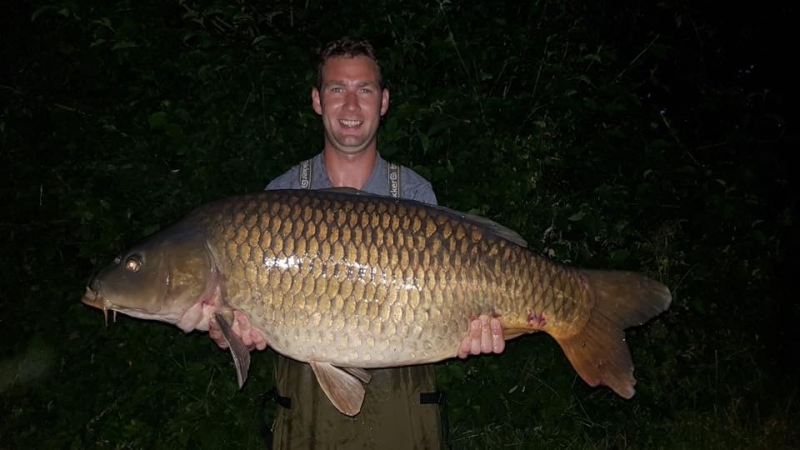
<point x="350" y="123"/>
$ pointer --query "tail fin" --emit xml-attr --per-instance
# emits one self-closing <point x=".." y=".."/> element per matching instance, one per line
<point x="621" y="300"/>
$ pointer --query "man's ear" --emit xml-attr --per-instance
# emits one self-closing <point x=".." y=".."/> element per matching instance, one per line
<point x="316" y="101"/>
<point x="384" y="101"/>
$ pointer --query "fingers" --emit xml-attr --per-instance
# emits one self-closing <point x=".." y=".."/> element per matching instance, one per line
<point x="258" y="340"/>
<point x="241" y="327"/>
<point x="464" y="350"/>
<point x="498" y="340"/>
<point x="485" y="336"/>
<point x="468" y="344"/>
<point x="251" y="338"/>
<point x="475" y="337"/>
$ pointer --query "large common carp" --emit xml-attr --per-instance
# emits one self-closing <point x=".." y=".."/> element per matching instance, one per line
<point x="349" y="281"/>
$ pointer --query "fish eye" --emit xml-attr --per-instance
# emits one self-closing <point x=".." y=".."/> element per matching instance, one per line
<point x="133" y="263"/>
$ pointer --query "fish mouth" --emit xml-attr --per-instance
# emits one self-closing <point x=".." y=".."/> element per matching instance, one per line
<point x="92" y="298"/>
<point x="95" y="299"/>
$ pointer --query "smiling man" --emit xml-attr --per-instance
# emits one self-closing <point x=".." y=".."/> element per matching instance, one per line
<point x="354" y="101"/>
<point x="401" y="406"/>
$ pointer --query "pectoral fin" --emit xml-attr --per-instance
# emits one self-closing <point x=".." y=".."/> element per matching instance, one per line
<point x="344" y="390"/>
<point x="239" y="351"/>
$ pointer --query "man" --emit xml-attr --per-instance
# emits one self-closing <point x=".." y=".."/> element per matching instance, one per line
<point x="400" y="408"/>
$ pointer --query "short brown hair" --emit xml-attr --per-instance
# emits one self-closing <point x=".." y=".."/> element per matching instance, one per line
<point x="347" y="47"/>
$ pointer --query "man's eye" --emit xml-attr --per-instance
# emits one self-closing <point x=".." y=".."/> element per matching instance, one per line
<point x="336" y="90"/>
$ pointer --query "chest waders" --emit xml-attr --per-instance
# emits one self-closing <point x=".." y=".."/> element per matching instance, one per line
<point x="401" y="409"/>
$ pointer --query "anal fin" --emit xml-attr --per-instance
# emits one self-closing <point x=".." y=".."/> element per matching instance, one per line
<point x="344" y="390"/>
<point x="361" y="374"/>
<point x="239" y="351"/>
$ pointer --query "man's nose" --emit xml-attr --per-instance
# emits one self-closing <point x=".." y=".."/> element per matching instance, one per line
<point x="351" y="100"/>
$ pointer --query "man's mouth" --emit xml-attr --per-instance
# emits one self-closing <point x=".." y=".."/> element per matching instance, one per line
<point x="351" y="123"/>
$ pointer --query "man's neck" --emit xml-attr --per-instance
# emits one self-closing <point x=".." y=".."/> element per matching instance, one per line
<point x="349" y="170"/>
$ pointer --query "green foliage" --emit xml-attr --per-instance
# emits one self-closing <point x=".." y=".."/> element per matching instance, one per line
<point x="648" y="137"/>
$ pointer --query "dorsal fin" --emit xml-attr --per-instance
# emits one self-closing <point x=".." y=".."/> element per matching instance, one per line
<point x="494" y="227"/>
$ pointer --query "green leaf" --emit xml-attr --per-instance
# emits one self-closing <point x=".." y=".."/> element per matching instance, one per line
<point x="424" y="141"/>
<point x="43" y="10"/>
<point x="577" y="216"/>
<point x="619" y="256"/>
<point x="157" y="120"/>
<point x="124" y="45"/>
<point x="105" y="21"/>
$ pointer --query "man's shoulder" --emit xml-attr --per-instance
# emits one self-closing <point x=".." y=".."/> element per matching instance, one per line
<point x="292" y="178"/>
<point x="412" y="177"/>
<point x="415" y="186"/>
<point x="287" y="180"/>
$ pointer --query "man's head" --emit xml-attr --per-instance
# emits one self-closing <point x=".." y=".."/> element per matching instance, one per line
<point x="350" y="95"/>
<point x="347" y="47"/>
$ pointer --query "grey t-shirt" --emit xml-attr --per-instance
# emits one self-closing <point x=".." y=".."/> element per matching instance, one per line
<point x="412" y="185"/>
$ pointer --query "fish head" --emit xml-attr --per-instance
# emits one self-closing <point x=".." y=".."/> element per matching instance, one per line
<point x="162" y="278"/>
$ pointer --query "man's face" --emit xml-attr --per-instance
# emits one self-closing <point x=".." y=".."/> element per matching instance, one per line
<point x="351" y="103"/>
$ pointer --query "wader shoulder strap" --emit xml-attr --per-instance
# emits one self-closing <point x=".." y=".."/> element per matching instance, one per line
<point x="306" y="173"/>
<point x="393" y="172"/>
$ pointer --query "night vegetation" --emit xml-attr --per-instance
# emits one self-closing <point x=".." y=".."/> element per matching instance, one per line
<point x="645" y="136"/>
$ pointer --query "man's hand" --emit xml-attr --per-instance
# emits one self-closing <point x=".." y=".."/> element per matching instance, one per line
<point x="241" y="328"/>
<point x="485" y="336"/>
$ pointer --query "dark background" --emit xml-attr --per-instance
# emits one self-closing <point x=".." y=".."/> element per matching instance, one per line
<point x="648" y="136"/>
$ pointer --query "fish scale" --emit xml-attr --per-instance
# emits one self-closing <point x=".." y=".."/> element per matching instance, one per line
<point x="380" y="261"/>
<point x="347" y="279"/>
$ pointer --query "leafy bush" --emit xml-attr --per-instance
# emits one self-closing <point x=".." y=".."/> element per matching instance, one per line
<point x="649" y="137"/>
